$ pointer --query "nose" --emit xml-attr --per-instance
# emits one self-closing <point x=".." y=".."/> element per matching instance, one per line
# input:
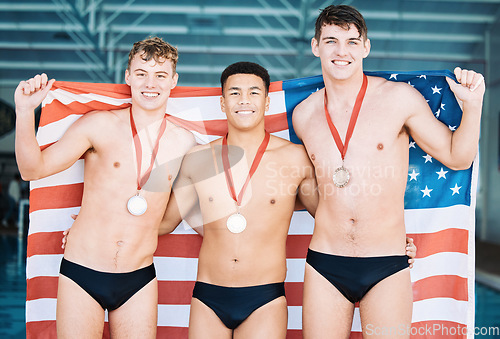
<point x="341" y="49"/>
<point x="150" y="82"/>
<point x="244" y="98"/>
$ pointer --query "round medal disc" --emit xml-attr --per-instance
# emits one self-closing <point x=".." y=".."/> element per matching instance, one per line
<point x="341" y="177"/>
<point x="236" y="223"/>
<point x="137" y="205"/>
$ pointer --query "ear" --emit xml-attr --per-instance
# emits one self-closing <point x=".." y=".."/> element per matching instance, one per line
<point x="315" y="47"/>
<point x="268" y="101"/>
<point x="127" y="77"/>
<point x="367" y="48"/>
<point x="175" y="78"/>
<point x="222" y="104"/>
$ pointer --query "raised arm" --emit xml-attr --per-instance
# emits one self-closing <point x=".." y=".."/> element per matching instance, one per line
<point x="33" y="163"/>
<point x="457" y="149"/>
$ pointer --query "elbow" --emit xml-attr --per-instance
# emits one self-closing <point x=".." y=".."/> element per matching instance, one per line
<point x="460" y="165"/>
<point x="28" y="175"/>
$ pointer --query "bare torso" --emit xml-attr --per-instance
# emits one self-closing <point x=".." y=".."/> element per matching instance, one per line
<point x="105" y="236"/>
<point x="258" y="254"/>
<point x="366" y="217"/>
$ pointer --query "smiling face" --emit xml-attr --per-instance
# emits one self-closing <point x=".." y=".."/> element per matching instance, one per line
<point x="244" y="101"/>
<point x="150" y="82"/>
<point x="341" y="51"/>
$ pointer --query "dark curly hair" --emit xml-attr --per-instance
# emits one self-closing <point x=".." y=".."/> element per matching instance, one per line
<point x="245" y="67"/>
<point x="343" y="16"/>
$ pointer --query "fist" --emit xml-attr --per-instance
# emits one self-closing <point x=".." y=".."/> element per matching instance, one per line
<point x="30" y="93"/>
<point x="470" y="85"/>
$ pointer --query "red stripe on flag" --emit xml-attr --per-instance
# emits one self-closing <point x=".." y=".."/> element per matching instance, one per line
<point x="448" y="240"/>
<point x="117" y="91"/>
<point x="53" y="197"/>
<point x="294" y="293"/>
<point x="172" y="332"/>
<point x="297" y="245"/>
<point x="179" y="245"/>
<point x="57" y="110"/>
<point x="44" y="243"/>
<point x="41" y="329"/>
<point x="294" y="334"/>
<point x="41" y="288"/>
<point x="175" y="292"/>
<point x="441" y="286"/>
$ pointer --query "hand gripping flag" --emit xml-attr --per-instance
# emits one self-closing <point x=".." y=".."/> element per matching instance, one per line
<point x="439" y="211"/>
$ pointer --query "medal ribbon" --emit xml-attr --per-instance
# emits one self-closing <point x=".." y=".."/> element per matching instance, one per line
<point x="253" y="168"/>
<point x="352" y="122"/>
<point x="138" y="150"/>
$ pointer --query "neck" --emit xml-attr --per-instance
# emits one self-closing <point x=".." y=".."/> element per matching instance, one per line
<point x="246" y="139"/>
<point x="144" y="118"/>
<point x="344" y="91"/>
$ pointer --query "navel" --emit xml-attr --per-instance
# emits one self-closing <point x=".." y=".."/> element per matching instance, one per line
<point x="119" y="243"/>
<point x="210" y="199"/>
<point x="273" y="201"/>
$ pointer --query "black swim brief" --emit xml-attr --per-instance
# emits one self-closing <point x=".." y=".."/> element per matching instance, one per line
<point x="110" y="290"/>
<point x="234" y="304"/>
<point x="355" y="276"/>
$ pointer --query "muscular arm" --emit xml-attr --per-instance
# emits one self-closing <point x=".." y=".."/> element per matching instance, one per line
<point x="32" y="162"/>
<point x="183" y="201"/>
<point x="455" y="149"/>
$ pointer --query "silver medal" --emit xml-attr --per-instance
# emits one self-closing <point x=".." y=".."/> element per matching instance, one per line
<point x="137" y="205"/>
<point x="341" y="177"/>
<point x="236" y="223"/>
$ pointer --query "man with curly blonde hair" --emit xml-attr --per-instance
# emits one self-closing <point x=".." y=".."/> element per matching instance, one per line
<point x="129" y="168"/>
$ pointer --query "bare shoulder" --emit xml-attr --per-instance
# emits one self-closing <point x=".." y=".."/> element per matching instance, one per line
<point x="289" y="152"/>
<point x="184" y="137"/>
<point x="310" y="104"/>
<point x="394" y="92"/>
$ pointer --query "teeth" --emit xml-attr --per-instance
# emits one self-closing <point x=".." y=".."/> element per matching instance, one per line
<point x="150" y="95"/>
<point x="244" y="112"/>
<point x="340" y="63"/>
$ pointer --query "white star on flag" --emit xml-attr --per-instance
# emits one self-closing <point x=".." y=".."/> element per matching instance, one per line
<point x="452" y="128"/>
<point x="442" y="174"/>
<point x="409" y="83"/>
<point x="442" y="107"/>
<point x="427" y="158"/>
<point x="413" y="175"/>
<point x="423" y="76"/>
<point x="412" y="145"/>
<point x="394" y="76"/>
<point x="435" y="90"/>
<point x="455" y="189"/>
<point x="426" y="191"/>
<point x="438" y="113"/>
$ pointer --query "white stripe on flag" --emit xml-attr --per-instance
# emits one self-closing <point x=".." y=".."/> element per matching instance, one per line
<point x="417" y="220"/>
<point x="173" y="315"/>
<point x="444" y="309"/>
<point x="41" y="310"/>
<point x="43" y="265"/>
<point x="52" y="220"/>
<point x="295" y="270"/>
<point x="439" y="264"/>
<point x="294" y="318"/>
<point x="176" y="269"/>
<point x="72" y="175"/>
<point x="54" y="131"/>
<point x="302" y="223"/>
<point x="67" y="98"/>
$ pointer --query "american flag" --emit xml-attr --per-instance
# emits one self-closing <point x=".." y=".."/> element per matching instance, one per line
<point x="439" y="211"/>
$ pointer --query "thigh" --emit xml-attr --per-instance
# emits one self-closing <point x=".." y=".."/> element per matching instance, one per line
<point x="205" y="324"/>
<point x="268" y="321"/>
<point x="326" y="313"/>
<point x="138" y="317"/>
<point x="78" y="315"/>
<point x="387" y="308"/>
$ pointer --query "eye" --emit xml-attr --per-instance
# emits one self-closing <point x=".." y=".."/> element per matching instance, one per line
<point x="140" y="74"/>
<point x="233" y="93"/>
<point x="161" y="76"/>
